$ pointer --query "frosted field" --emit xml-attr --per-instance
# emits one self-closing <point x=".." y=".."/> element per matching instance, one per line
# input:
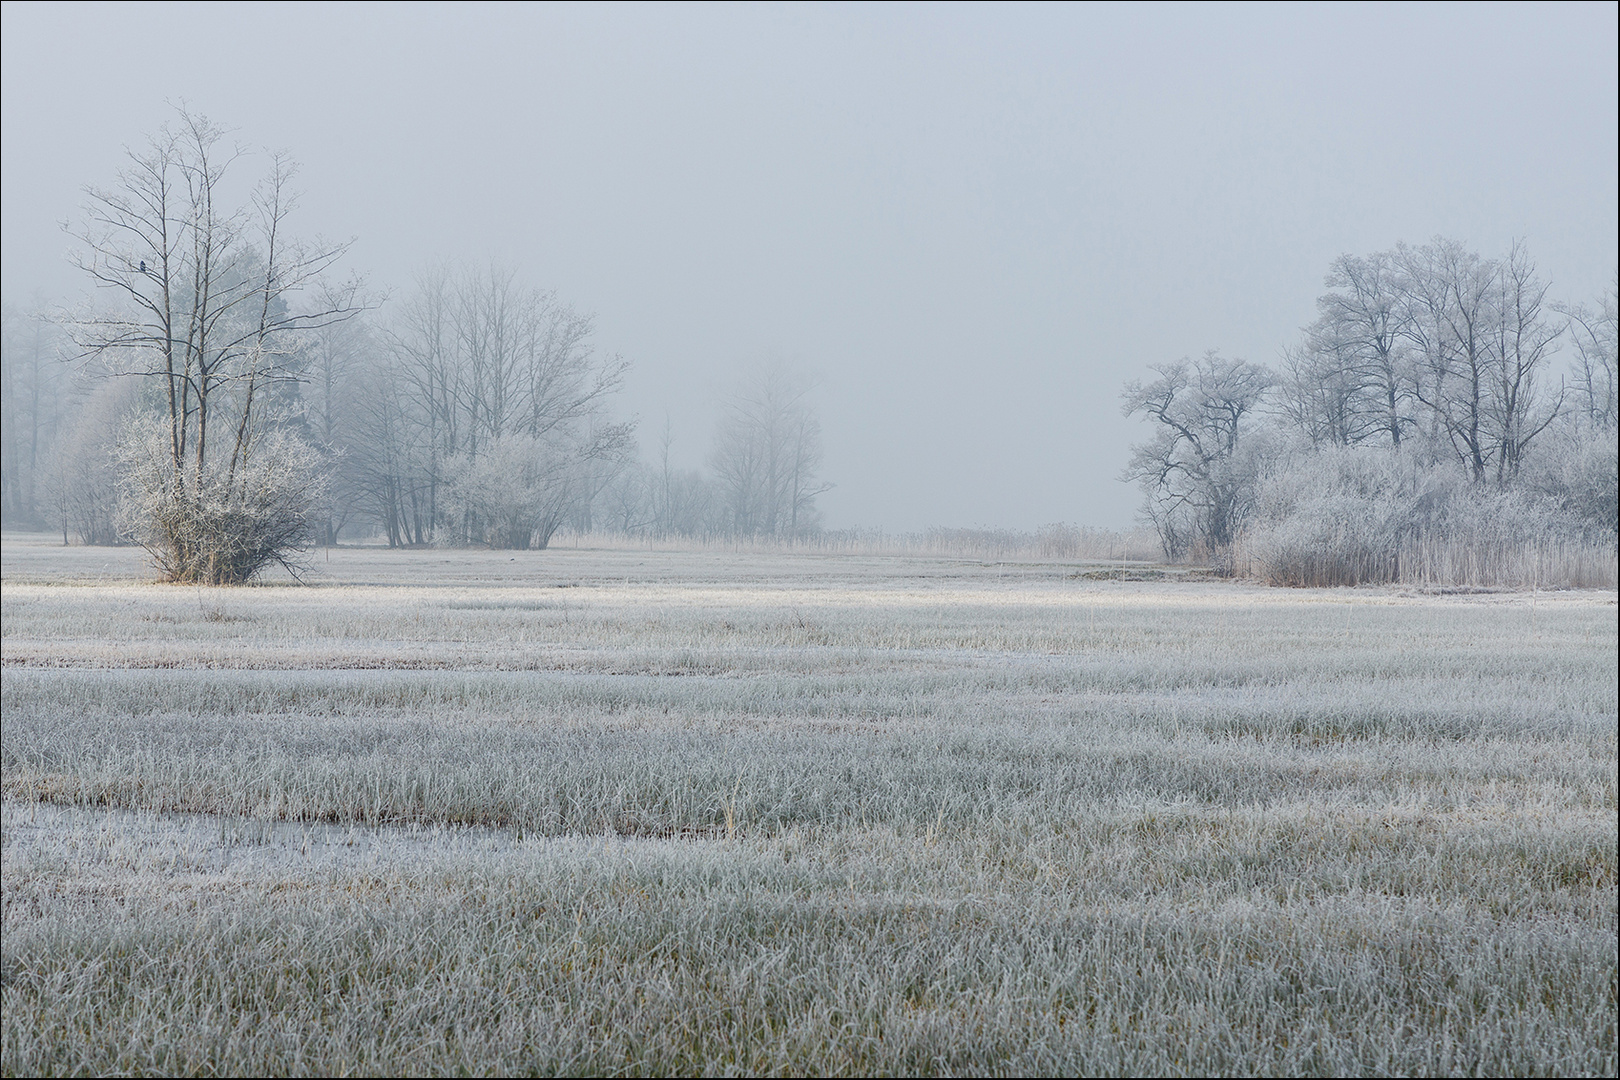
<point x="636" y="812"/>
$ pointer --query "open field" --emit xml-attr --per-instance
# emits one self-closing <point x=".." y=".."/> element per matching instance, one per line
<point x="595" y="811"/>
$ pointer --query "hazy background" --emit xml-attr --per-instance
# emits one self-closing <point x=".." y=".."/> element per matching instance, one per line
<point x="975" y="223"/>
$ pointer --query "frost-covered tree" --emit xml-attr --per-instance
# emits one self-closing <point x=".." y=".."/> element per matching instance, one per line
<point x="485" y="374"/>
<point x="207" y="302"/>
<point x="1417" y="432"/>
<point x="1484" y="337"/>
<point x="1351" y="380"/>
<point x="513" y="494"/>
<point x="1198" y="468"/>
<point x="1597" y="371"/>
<point x="331" y="363"/>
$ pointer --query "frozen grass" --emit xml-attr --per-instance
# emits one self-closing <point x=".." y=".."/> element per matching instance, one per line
<point x="716" y="812"/>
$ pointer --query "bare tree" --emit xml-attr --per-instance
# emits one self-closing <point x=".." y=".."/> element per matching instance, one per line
<point x="663" y="488"/>
<point x="203" y="305"/>
<point x="1319" y="392"/>
<point x="387" y="468"/>
<point x="1198" y="469"/>
<point x="1482" y="331"/>
<point x="629" y="501"/>
<point x="1596" y="370"/>
<point x="1451" y="292"/>
<point x="423" y="343"/>
<point x="1351" y="380"/>
<point x="331" y="364"/>
<point x="1518" y="407"/>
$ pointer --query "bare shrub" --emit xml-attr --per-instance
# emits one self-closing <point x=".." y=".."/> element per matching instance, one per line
<point x="219" y="526"/>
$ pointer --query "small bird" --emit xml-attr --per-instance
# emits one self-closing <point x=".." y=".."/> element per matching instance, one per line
<point x="143" y="266"/>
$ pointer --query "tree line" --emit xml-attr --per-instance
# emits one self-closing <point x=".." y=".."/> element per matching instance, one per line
<point x="1425" y="403"/>
<point x="231" y="400"/>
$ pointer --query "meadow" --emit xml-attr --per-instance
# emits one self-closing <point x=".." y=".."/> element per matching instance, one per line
<point x="596" y="811"/>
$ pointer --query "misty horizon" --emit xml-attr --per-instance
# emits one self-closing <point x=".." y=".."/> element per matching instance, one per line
<point x="974" y="226"/>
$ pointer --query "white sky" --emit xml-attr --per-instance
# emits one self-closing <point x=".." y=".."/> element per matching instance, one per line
<point x="974" y="222"/>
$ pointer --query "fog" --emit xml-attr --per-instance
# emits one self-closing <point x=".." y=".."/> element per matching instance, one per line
<point x="974" y="224"/>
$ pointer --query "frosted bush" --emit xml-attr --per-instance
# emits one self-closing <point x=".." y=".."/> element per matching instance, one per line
<point x="223" y="523"/>
<point x="514" y="493"/>
<point x="1337" y="517"/>
<point x="1577" y="466"/>
<point x="1352" y="516"/>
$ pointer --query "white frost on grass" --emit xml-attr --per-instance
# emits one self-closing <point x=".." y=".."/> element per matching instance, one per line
<point x="700" y="812"/>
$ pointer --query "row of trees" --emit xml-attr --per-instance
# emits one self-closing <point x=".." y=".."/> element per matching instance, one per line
<point x="764" y="473"/>
<point x="477" y="414"/>
<point x="1429" y="369"/>
<point x="233" y="402"/>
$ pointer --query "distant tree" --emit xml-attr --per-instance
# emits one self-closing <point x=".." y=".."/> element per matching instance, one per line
<point x="518" y="490"/>
<point x="330" y="364"/>
<point x="512" y="493"/>
<point x="767" y="452"/>
<point x="682" y="502"/>
<point x="1597" y="370"/>
<point x="423" y="374"/>
<point x="388" y="469"/>
<point x="661" y="488"/>
<point x="1319" y="392"/>
<point x="203" y="305"/>
<point x="83" y="471"/>
<point x="489" y="374"/>
<point x="1199" y="467"/>
<point x="1420" y="357"/>
<point x="627" y="502"/>
<point x="1450" y="291"/>
<point x="1520" y="406"/>
<point x="33" y="386"/>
